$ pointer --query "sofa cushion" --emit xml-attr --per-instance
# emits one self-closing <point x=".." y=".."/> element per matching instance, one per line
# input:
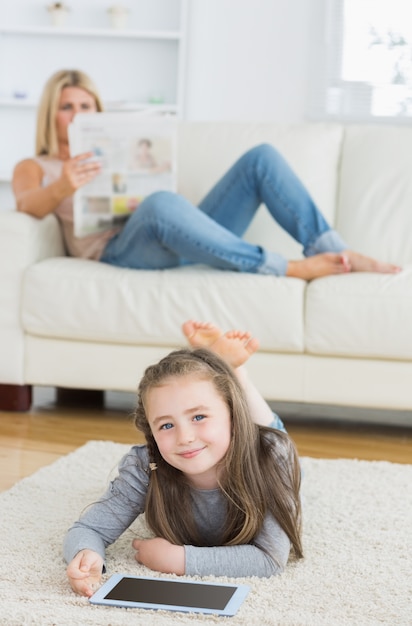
<point x="375" y="191"/>
<point x="85" y="300"/>
<point x="360" y="315"/>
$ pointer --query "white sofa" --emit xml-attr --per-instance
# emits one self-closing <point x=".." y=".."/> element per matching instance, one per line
<point x="342" y="341"/>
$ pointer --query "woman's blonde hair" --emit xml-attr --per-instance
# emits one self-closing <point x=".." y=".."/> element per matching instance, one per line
<point x="260" y="473"/>
<point x="46" y="134"/>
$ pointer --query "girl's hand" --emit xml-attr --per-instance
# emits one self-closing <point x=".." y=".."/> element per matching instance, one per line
<point x="79" y="171"/>
<point x="85" y="572"/>
<point x="160" y="555"/>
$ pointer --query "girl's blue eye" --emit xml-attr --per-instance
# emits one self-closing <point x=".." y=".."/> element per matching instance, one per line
<point x="166" y="426"/>
<point x="199" y="418"/>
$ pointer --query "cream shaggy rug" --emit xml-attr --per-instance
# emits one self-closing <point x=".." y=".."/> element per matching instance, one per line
<point x="357" y="540"/>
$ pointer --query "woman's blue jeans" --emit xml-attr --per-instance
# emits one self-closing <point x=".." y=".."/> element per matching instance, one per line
<point x="168" y="231"/>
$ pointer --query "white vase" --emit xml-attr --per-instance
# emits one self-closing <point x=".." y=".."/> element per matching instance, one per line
<point x="58" y="17"/>
<point x="118" y="17"/>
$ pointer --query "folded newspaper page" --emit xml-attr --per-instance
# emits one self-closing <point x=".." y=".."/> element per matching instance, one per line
<point x="138" y="155"/>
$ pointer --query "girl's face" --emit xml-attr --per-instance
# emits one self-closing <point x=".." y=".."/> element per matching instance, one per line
<point x="72" y="100"/>
<point x="192" y="427"/>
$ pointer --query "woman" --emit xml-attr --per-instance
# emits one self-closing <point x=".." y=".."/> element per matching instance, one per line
<point x="168" y="231"/>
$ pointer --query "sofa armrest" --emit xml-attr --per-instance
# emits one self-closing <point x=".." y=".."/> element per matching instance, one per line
<point x="24" y="240"/>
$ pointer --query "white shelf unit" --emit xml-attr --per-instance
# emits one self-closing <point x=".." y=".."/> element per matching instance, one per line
<point x="134" y="68"/>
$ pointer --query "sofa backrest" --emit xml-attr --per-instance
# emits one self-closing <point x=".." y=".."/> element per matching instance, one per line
<point x="375" y="192"/>
<point x="207" y="149"/>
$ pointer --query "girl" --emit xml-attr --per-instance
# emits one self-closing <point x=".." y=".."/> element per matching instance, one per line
<point x="168" y="231"/>
<point x="218" y="480"/>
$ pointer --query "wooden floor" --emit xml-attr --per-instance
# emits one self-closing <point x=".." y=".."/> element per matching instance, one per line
<point x="31" y="440"/>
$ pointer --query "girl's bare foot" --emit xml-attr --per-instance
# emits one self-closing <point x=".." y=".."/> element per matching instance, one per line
<point x="319" y="265"/>
<point x="361" y="263"/>
<point x="235" y="347"/>
<point x="200" y="334"/>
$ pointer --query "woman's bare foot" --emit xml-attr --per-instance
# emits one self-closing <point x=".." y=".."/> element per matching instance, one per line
<point x="200" y="334"/>
<point x="361" y="263"/>
<point x="319" y="265"/>
<point x="235" y="347"/>
<point x="330" y="263"/>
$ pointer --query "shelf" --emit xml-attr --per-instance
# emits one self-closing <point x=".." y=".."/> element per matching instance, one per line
<point x="21" y="103"/>
<point x="18" y="103"/>
<point x="54" y="31"/>
<point x="141" y="106"/>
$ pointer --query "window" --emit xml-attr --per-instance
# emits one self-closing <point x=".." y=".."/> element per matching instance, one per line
<point x="364" y="62"/>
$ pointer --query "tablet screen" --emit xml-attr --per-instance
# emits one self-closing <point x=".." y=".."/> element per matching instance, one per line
<point x="169" y="592"/>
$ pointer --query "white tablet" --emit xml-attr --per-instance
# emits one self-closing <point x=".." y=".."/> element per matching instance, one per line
<point x="171" y="595"/>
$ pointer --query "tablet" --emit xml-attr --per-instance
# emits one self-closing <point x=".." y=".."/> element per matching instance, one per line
<point x="171" y="595"/>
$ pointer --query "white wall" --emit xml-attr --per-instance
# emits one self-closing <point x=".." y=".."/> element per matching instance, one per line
<point x="249" y="59"/>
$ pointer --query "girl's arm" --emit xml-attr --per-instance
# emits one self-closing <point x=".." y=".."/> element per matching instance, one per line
<point x="233" y="561"/>
<point x="103" y="522"/>
<point x="160" y="555"/>
<point x="39" y="201"/>
<point x="267" y="556"/>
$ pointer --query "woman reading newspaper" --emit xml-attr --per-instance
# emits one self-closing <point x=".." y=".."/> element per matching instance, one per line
<point x="167" y="230"/>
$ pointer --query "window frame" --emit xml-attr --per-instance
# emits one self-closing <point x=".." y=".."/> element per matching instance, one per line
<point x="329" y="97"/>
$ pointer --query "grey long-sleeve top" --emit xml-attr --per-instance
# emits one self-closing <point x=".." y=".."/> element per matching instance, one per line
<point x="124" y="500"/>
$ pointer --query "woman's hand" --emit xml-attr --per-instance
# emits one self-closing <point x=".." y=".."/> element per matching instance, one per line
<point x="85" y="572"/>
<point x="33" y="198"/>
<point x="160" y="555"/>
<point x="79" y="171"/>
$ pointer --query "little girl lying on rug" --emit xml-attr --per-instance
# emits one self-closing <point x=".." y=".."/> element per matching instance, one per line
<point x="218" y="480"/>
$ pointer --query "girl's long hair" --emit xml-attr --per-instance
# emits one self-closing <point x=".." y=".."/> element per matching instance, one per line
<point x="260" y="472"/>
<point x="46" y="135"/>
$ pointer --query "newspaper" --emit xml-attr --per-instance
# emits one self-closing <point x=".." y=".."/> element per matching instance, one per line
<point x="137" y="152"/>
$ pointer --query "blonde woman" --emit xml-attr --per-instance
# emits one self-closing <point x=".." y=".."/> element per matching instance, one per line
<point x="167" y="230"/>
<point x="46" y="183"/>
